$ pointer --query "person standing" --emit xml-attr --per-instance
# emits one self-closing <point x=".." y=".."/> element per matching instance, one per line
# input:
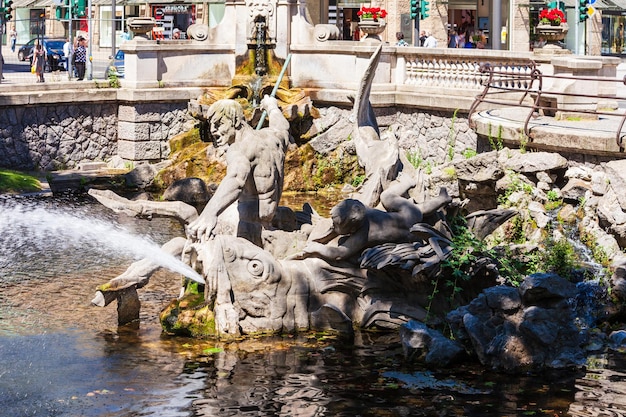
<point x="619" y="38"/>
<point x="39" y="62"/>
<point x="67" y="54"/>
<point x="400" y="39"/>
<point x="422" y="37"/>
<point x="13" y="36"/>
<point x="430" y="42"/>
<point x="453" y="39"/>
<point x="80" y="58"/>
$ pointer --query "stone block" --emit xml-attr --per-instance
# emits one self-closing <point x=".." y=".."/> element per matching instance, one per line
<point x="139" y="113"/>
<point x="139" y="151"/>
<point x="133" y="131"/>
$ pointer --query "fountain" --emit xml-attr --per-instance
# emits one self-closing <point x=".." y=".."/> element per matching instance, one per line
<point x="307" y="276"/>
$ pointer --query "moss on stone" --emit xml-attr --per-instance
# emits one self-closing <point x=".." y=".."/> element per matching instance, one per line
<point x="188" y="317"/>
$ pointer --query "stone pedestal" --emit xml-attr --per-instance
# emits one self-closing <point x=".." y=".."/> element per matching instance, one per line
<point x="553" y="35"/>
<point x="372" y="29"/>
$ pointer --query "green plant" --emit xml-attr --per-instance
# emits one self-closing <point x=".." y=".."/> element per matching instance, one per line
<point x="458" y="266"/>
<point x="114" y="81"/>
<point x="358" y="180"/>
<point x="415" y="158"/>
<point x="452" y="137"/>
<point x="496" y="144"/>
<point x="554" y="200"/>
<point x="552" y="195"/>
<point x="515" y="184"/>
<point x="559" y="257"/>
<point x="469" y="153"/>
<point x="523" y="141"/>
<point x="450" y="171"/>
<point x="428" y="168"/>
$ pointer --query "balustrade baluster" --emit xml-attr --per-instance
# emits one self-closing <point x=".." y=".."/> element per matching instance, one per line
<point x="437" y="75"/>
<point x="410" y="72"/>
<point x="431" y="72"/>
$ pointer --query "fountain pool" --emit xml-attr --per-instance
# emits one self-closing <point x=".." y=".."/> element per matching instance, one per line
<point x="63" y="357"/>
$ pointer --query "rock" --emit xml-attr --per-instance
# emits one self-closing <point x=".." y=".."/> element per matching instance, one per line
<point x="514" y="330"/>
<point x="188" y="190"/>
<point x="534" y="162"/>
<point x="575" y="189"/>
<point x="419" y="340"/>
<point x="567" y="214"/>
<point x="579" y="172"/>
<point x="599" y="183"/>
<point x="616" y="174"/>
<point x="545" y="177"/>
<point x="477" y="178"/>
<point x="333" y="136"/>
<point x="538" y="214"/>
<point x="618" y="338"/>
<point x="539" y="288"/>
<point x="142" y="176"/>
<point x="128" y="305"/>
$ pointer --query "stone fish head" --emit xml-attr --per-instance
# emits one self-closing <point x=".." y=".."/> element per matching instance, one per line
<point x="246" y="284"/>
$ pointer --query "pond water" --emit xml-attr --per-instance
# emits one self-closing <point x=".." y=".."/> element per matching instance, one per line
<point x="63" y="357"/>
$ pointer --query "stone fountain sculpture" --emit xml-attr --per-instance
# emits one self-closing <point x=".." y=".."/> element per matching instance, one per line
<point x="371" y="265"/>
<point x="367" y="266"/>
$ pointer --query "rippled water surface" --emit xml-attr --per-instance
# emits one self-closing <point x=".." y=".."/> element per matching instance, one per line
<point x="62" y="357"/>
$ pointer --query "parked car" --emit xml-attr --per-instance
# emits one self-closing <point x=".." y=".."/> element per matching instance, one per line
<point x="54" y="51"/>
<point x="116" y="66"/>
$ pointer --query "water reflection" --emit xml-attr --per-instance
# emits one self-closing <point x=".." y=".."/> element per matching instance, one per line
<point x="602" y="391"/>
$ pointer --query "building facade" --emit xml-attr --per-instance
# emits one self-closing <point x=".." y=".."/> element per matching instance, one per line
<point x="492" y="24"/>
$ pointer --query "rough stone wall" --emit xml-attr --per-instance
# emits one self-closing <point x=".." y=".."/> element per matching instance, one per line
<point x="433" y="137"/>
<point x="57" y="137"/>
<point x="47" y="138"/>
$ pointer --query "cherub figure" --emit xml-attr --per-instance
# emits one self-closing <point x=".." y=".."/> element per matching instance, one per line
<point x="359" y="227"/>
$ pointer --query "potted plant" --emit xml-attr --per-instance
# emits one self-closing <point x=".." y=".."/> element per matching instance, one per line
<point x="552" y="27"/>
<point x="372" y="22"/>
<point x="371" y="13"/>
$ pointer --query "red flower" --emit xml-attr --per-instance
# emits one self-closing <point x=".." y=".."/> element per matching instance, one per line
<point x="372" y="13"/>
<point x="553" y="15"/>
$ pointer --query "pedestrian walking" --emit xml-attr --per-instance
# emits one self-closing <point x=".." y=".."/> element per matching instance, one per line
<point x="13" y="36"/>
<point x="39" y="62"/>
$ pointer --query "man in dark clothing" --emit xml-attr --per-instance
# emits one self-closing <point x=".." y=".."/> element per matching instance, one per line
<point x="80" y="57"/>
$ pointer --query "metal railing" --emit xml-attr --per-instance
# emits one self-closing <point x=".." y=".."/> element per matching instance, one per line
<point x="558" y="96"/>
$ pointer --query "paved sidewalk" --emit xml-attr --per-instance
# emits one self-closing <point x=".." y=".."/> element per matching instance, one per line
<point x="18" y="72"/>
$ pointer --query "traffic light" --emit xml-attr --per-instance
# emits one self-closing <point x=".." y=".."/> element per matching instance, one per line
<point x="6" y="11"/>
<point x="583" y="10"/>
<point x="424" y="9"/>
<point x="78" y="8"/>
<point x="63" y="10"/>
<point x="415" y="8"/>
